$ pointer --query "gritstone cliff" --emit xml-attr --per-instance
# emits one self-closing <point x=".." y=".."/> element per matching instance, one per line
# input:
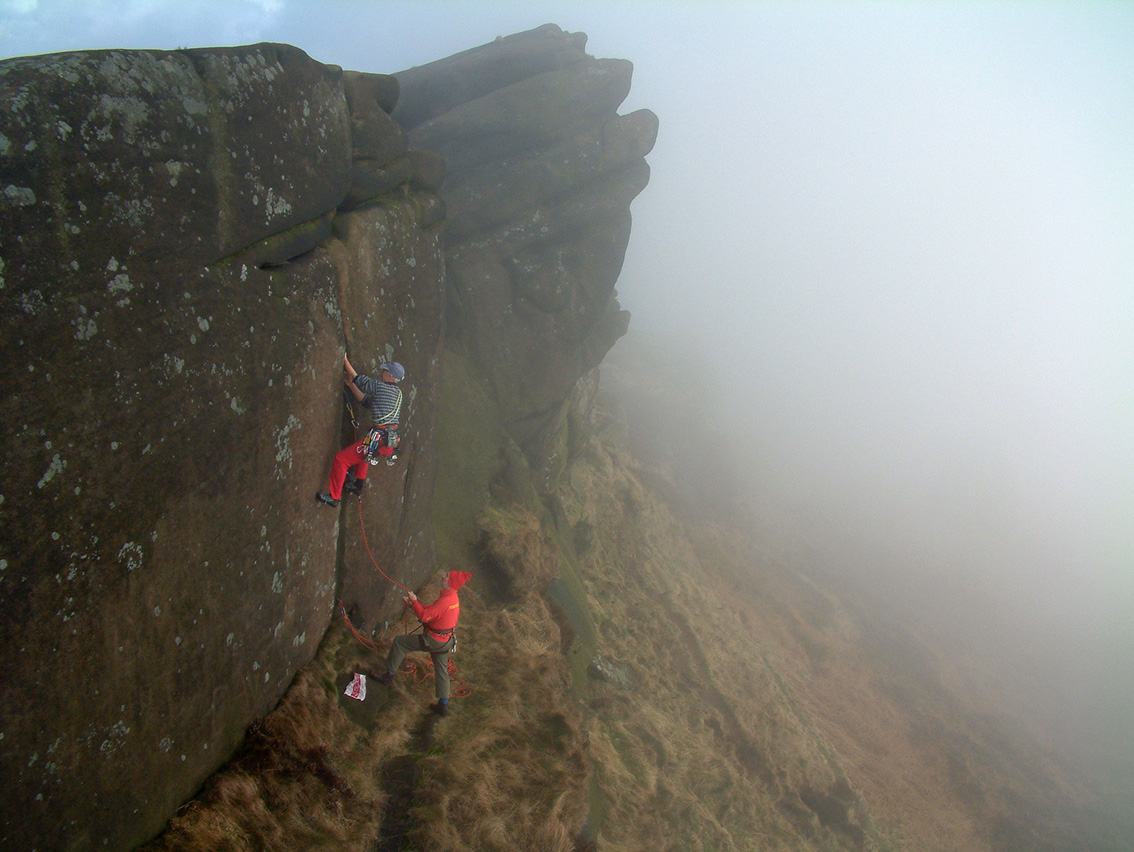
<point x="541" y="171"/>
<point x="190" y="240"/>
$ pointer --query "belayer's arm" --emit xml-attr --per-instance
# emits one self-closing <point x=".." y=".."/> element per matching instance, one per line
<point x="426" y="614"/>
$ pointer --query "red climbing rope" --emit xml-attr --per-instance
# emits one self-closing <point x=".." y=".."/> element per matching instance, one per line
<point x="366" y="643"/>
<point x="362" y="527"/>
<point x="461" y="689"/>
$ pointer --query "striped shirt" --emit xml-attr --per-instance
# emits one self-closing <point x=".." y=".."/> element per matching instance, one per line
<point x="383" y="398"/>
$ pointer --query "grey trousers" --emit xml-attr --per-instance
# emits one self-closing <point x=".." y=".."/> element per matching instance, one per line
<point x="439" y="651"/>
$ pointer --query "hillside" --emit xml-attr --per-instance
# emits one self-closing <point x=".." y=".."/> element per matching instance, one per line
<point x="723" y="702"/>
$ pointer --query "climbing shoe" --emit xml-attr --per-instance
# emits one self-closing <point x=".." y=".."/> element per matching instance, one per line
<point x="441" y="708"/>
<point x="324" y="497"/>
<point x="353" y="486"/>
<point x="386" y="678"/>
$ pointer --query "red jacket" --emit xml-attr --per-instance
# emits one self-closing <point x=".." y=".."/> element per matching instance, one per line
<point x="442" y="614"/>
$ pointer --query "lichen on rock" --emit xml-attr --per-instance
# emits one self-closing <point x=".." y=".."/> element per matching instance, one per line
<point x="162" y="541"/>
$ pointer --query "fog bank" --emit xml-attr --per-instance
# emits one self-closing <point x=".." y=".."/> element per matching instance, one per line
<point x="903" y="238"/>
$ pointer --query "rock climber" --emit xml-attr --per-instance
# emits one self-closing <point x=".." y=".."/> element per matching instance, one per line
<point x="384" y="398"/>
<point x="437" y="638"/>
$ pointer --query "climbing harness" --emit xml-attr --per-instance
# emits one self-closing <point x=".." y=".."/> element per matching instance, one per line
<point x="381" y="442"/>
<point x="450" y="646"/>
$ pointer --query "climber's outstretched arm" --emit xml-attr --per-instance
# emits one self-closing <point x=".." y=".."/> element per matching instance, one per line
<point x="349" y="373"/>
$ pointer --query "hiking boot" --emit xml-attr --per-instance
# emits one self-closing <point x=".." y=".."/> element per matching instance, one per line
<point x="324" y="497"/>
<point x="353" y="486"/>
<point x="440" y="708"/>
<point x="386" y="678"/>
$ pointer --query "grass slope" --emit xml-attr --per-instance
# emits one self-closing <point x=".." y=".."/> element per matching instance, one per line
<point x="729" y="704"/>
<point x="769" y="715"/>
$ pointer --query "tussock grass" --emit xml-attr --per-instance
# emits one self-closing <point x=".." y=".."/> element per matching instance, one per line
<point x="766" y="718"/>
<point x="506" y="770"/>
<point x="515" y="549"/>
<point x="757" y="714"/>
<point x="721" y="752"/>
<point x="510" y="768"/>
<point x="684" y="761"/>
<point x="307" y="777"/>
<point x="287" y="788"/>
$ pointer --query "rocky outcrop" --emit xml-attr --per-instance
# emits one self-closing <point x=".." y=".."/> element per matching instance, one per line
<point x="541" y="171"/>
<point x="190" y="241"/>
<point x="178" y="281"/>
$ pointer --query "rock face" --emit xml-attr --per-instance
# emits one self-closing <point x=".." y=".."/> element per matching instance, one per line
<point x="189" y="241"/>
<point x="541" y="171"/>
<point x="178" y="282"/>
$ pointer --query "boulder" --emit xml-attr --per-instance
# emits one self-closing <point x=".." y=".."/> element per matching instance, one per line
<point x="502" y="190"/>
<point x="428" y="169"/>
<point x="392" y="268"/>
<point x="370" y="181"/>
<point x="605" y="670"/>
<point x="373" y="134"/>
<point x="191" y="240"/>
<point x="381" y="89"/>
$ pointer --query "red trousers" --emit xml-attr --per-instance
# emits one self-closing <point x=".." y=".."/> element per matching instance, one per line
<point x="348" y="458"/>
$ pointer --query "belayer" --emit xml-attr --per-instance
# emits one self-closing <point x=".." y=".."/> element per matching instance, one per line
<point x="384" y="399"/>
<point x="437" y="638"/>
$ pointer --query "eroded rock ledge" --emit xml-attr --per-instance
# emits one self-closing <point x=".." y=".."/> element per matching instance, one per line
<point x="541" y="170"/>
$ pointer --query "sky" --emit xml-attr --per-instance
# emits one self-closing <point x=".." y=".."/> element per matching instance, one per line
<point x="896" y="241"/>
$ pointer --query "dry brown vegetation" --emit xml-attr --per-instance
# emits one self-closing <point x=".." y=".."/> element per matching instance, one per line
<point x="306" y="778"/>
<point x="749" y="709"/>
<point x="511" y="772"/>
<point x="506" y="770"/>
<point x="773" y="716"/>
<point x="289" y="787"/>
<point x="710" y="752"/>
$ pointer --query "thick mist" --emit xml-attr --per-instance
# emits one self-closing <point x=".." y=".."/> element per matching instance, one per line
<point x="895" y="241"/>
<point x="900" y="243"/>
